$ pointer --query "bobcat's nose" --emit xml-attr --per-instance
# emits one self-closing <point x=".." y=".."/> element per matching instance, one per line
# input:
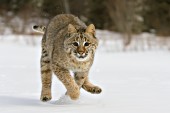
<point x="81" y="51"/>
<point x="81" y="54"/>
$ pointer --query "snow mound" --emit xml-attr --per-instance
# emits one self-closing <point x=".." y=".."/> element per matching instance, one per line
<point x="65" y="99"/>
<point x="83" y="100"/>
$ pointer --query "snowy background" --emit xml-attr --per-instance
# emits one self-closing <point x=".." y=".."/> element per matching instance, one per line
<point x="132" y="63"/>
<point x="135" y="80"/>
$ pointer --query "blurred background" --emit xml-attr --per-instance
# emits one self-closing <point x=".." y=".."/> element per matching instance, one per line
<point x="131" y="63"/>
<point x="122" y="24"/>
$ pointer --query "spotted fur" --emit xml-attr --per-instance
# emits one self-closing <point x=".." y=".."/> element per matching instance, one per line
<point x="68" y="45"/>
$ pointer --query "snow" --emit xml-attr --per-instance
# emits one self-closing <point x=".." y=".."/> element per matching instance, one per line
<point x="132" y="82"/>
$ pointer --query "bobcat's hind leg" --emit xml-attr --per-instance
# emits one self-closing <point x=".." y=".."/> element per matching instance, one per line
<point x="46" y="76"/>
<point x="80" y="78"/>
<point x="90" y="87"/>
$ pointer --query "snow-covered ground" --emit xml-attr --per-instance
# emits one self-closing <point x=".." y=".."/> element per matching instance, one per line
<point x="132" y="82"/>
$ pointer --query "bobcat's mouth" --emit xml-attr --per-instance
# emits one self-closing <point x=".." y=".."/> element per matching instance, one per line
<point x="81" y="56"/>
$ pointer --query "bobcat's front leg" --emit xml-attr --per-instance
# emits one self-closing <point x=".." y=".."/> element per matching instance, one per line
<point x="65" y="77"/>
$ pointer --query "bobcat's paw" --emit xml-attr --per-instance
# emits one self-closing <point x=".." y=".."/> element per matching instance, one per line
<point x="74" y="94"/>
<point x="45" y="98"/>
<point x="94" y="90"/>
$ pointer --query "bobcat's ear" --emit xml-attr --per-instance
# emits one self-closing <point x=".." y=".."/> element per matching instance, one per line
<point x="71" y="29"/>
<point x="90" y="29"/>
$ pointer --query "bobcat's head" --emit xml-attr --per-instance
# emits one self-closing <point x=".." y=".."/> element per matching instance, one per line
<point x="81" y="45"/>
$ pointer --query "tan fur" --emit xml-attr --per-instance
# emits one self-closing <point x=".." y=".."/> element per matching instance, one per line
<point x="68" y="45"/>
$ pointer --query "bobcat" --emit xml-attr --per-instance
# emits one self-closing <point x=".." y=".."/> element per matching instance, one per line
<point x="67" y="45"/>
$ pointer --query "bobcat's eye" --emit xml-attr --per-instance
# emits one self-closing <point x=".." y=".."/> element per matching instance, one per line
<point x="86" y="44"/>
<point x="76" y="44"/>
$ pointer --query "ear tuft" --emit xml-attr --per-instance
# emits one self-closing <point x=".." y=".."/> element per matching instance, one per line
<point x="71" y="29"/>
<point x="91" y="29"/>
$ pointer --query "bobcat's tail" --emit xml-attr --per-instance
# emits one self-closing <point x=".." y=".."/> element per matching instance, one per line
<point x="39" y="28"/>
